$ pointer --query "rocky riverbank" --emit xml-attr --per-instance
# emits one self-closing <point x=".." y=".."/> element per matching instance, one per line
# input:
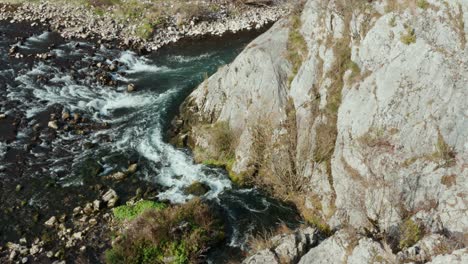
<point x="355" y="111"/>
<point x="84" y="22"/>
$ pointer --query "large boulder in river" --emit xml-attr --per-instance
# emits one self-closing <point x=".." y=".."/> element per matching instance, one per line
<point x="358" y="108"/>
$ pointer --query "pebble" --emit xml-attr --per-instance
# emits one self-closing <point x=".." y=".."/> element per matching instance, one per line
<point x="51" y="222"/>
<point x="24" y="260"/>
<point x="53" y="124"/>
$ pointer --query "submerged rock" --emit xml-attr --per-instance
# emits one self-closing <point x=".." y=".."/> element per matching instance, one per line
<point x="197" y="189"/>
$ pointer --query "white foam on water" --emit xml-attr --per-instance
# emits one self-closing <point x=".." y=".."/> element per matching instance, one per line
<point x="178" y="170"/>
<point x="3" y="149"/>
<point x="185" y="59"/>
<point x="139" y="64"/>
<point x="42" y="37"/>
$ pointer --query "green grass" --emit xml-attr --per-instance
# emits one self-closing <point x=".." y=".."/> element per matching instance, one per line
<point x="297" y="46"/>
<point x="410" y="233"/>
<point x="423" y="4"/>
<point x="176" y="234"/>
<point x="409" y="37"/>
<point x="130" y="212"/>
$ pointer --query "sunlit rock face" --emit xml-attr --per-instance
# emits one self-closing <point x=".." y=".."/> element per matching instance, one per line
<point x="372" y="117"/>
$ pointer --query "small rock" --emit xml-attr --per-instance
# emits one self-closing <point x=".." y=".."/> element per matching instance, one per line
<point x="118" y="176"/>
<point x="83" y="248"/>
<point x="76" y="117"/>
<point x="88" y="209"/>
<point x="92" y="221"/>
<point x="110" y="197"/>
<point x="65" y="115"/>
<point x="2" y="116"/>
<point x="197" y="189"/>
<point x="53" y="124"/>
<point x="96" y="205"/>
<point x="12" y="255"/>
<point x="50" y="254"/>
<point x="78" y="235"/>
<point x="76" y="210"/>
<point x="112" y="202"/>
<point x="131" y="88"/>
<point x="23" y="240"/>
<point x="51" y="222"/>
<point x="34" y="250"/>
<point x="132" y="168"/>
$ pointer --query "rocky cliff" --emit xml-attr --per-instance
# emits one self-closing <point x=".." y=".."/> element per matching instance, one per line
<point x="357" y="112"/>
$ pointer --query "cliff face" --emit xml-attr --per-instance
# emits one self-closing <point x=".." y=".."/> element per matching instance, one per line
<point x="356" y="111"/>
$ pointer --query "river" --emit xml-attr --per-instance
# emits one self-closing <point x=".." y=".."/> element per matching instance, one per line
<point x="45" y="172"/>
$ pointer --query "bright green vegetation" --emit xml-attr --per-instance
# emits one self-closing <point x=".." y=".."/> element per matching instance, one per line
<point x="410" y="233"/>
<point x="177" y="234"/>
<point x="130" y="212"/>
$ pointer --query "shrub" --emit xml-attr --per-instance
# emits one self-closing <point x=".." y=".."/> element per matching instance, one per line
<point x="409" y="37"/>
<point x="423" y="4"/>
<point x="178" y="234"/>
<point x="410" y="233"/>
<point x="130" y="212"/>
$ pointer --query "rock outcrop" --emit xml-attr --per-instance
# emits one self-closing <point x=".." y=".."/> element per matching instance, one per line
<point x="358" y="108"/>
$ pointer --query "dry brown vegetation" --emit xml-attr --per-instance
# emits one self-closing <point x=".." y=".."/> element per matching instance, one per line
<point x="178" y="233"/>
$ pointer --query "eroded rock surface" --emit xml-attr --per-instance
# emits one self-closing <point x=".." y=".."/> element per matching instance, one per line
<point x="360" y="109"/>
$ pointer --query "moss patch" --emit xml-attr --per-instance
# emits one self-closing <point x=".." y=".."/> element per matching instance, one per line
<point x="297" y="46"/>
<point x="410" y="233"/>
<point x="130" y="212"/>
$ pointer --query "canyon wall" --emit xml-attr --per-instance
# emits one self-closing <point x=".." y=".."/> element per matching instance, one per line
<point x="357" y="112"/>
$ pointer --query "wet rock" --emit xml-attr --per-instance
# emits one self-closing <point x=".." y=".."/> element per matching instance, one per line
<point x="131" y="88"/>
<point x="34" y="250"/>
<point x="197" y="189"/>
<point x="110" y="197"/>
<point x="12" y="255"/>
<point x="96" y="205"/>
<point x="53" y="124"/>
<point x="112" y="67"/>
<point x="65" y="115"/>
<point x="88" y="209"/>
<point x="77" y="210"/>
<point x="132" y="168"/>
<point x="76" y="117"/>
<point x="78" y="235"/>
<point x="118" y="176"/>
<point x="92" y="221"/>
<point x="51" y="222"/>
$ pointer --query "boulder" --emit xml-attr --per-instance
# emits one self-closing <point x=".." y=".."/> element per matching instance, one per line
<point x="197" y="189"/>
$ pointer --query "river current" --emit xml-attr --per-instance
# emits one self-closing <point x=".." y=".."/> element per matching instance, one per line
<point x="45" y="172"/>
